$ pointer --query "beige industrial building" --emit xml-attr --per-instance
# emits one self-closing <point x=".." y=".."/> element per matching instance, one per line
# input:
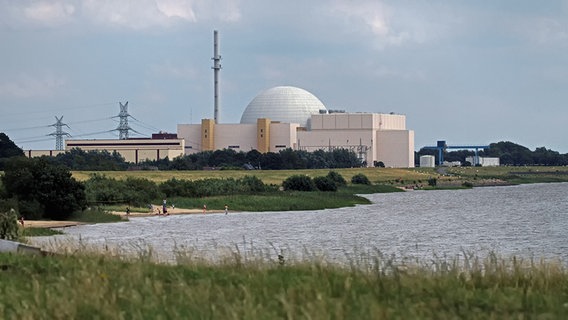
<point x="290" y="117"/>
<point x="133" y="150"/>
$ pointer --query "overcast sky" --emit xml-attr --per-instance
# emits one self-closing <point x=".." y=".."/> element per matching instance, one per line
<point x="468" y="72"/>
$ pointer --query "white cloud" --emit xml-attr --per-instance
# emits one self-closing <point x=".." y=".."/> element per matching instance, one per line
<point x="376" y="19"/>
<point x="176" y="9"/>
<point x="29" y="86"/>
<point x="49" y="13"/>
<point x="128" y="14"/>
<point x="397" y="24"/>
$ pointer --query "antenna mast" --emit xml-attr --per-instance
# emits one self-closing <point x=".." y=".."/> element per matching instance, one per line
<point x="216" y="67"/>
<point x="59" y="133"/>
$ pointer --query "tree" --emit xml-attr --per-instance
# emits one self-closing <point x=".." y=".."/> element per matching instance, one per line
<point x="49" y="188"/>
<point x="8" y="149"/>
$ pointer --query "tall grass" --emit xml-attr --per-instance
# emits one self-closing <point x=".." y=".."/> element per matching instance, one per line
<point x="95" y="286"/>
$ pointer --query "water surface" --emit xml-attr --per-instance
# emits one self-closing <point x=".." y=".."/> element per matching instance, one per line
<point x="527" y="221"/>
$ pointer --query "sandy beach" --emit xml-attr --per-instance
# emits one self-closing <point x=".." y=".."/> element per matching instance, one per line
<point x="50" y="224"/>
<point x="170" y="212"/>
<point x="63" y="224"/>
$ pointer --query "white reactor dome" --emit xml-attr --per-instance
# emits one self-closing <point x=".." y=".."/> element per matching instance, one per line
<point x="284" y="104"/>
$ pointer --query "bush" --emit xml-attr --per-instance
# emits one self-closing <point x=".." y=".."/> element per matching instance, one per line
<point x="337" y="178"/>
<point x="9" y="225"/>
<point x="432" y="182"/>
<point x="252" y="184"/>
<point x="360" y="179"/>
<point x="467" y="184"/>
<point x="325" y="184"/>
<point x="140" y="191"/>
<point x="299" y="183"/>
<point x="133" y="191"/>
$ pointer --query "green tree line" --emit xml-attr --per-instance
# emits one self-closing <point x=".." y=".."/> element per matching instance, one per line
<point x="509" y="153"/>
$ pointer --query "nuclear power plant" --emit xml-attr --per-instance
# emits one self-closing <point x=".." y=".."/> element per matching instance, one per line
<point x="276" y="119"/>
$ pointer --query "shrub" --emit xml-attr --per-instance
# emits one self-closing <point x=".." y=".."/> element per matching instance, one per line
<point x="360" y="179"/>
<point x="467" y="184"/>
<point x="325" y="184"/>
<point x="299" y="183"/>
<point x="177" y="188"/>
<point x="139" y="191"/>
<point x="134" y="191"/>
<point x="9" y="225"/>
<point x="337" y="178"/>
<point x="432" y="182"/>
<point x="252" y="184"/>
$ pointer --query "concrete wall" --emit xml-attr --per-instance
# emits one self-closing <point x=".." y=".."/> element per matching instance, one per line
<point x="191" y="134"/>
<point x="239" y="137"/>
<point x="346" y="139"/>
<point x="283" y="136"/>
<point x="395" y="148"/>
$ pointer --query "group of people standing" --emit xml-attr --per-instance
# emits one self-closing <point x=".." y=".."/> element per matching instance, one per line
<point x="164" y="210"/>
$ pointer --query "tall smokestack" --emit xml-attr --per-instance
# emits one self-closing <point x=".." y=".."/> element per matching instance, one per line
<point x="216" y="67"/>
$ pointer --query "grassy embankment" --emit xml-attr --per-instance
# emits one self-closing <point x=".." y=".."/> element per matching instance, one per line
<point x="87" y="287"/>
<point x="513" y="175"/>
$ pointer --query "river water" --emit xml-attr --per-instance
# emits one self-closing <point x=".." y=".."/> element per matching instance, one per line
<point x="527" y="221"/>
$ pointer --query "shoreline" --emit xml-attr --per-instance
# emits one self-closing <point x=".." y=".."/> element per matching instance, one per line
<point x="171" y="212"/>
<point x="180" y="211"/>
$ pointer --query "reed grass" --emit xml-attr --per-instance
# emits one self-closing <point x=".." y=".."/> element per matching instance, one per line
<point x="90" y="286"/>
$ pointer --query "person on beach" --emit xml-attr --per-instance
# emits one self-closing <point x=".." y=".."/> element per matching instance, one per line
<point x="127" y="211"/>
<point x="21" y="220"/>
<point x="164" y="207"/>
<point x="204" y="208"/>
<point x="226" y="209"/>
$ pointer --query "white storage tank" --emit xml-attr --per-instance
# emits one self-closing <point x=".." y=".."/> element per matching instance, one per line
<point x="427" y="161"/>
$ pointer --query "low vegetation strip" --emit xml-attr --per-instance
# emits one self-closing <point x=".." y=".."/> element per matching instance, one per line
<point x="87" y="287"/>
